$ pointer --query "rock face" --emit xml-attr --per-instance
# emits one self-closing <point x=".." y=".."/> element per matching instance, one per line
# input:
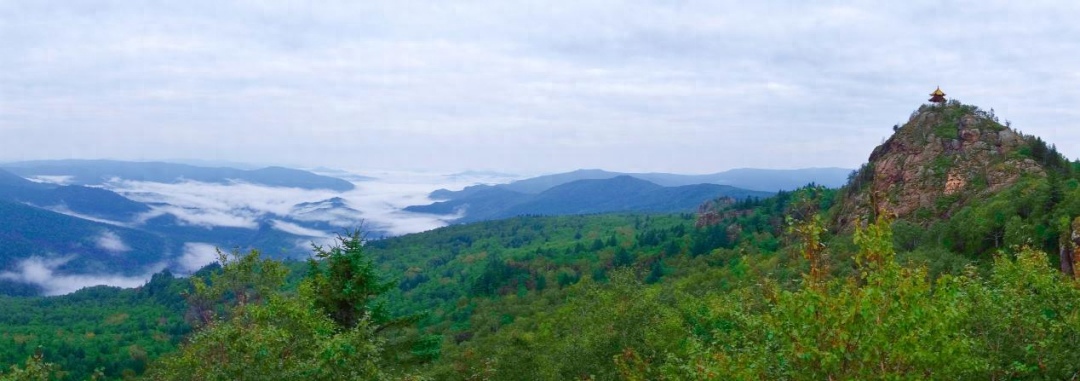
<point x="942" y="157"/>
<point x="1070" y="250"/>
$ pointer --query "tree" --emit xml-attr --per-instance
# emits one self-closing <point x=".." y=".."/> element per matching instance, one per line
<point x="35" y="369"/>
<point x="251" y="330"/>
<point x="888" y="322"/>
<point x="244" y="279"/>
<point x="281" y="339"/>
<point x="345" y="284"/>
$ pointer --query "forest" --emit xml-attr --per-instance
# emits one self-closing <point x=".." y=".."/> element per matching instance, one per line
<point x="975" y="285"/>
<point x="767" y="294"/>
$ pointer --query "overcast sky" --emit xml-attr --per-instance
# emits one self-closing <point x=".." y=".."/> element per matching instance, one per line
<point x="520" y="86"/>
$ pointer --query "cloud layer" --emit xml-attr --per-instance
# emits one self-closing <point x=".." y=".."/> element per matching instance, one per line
<point x="196" y="255"/>
<point x="684" y="86"/>
<point x="41" y="272"/>
<point x="111" y="242"/>
<point x="376" y="203"/>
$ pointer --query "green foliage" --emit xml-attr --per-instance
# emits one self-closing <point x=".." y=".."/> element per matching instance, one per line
<point x="346" y="285"/>
<point x="941" y="165"/>
<point x="116" y="330"/>
<point x="582" y="337"/>
<point x="244" y="279"/>
<point x="892" y="323"/>
<point x="498" y="277"/>
<point x="1025" y="214"/>
<point x="35" y="369"/>
<point x="875" y="245"/>
<point x="327" y="329"/>
<point x="282" y="338"/>
<point x="648" y="297"/>
<point x="947" y="130"/>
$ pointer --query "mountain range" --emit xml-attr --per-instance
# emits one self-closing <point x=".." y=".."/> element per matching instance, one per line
<point x="77" y="217"/>
<point x="73" y="199"/>
<point x="765" y="180"/>
<point x="586" y="191"/>
<point x="49" y="230"/>
<point x="617" y="194"/>
<point x="98" y="172"/>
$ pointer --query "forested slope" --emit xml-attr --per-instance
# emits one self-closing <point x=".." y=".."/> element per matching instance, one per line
<point x="813" y="284"/>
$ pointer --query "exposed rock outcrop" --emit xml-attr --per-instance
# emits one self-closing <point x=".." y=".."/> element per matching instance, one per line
<point x="941" y="158"/>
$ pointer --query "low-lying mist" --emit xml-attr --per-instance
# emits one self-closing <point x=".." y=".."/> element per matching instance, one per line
<point x="377" y="202"/>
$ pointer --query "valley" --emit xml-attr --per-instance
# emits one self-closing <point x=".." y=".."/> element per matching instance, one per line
<point x="515" y="190"/>
<point x="124" y="221"/>
<point x="622" y="293"/>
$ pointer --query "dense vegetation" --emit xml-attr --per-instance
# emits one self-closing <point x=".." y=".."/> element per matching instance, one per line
<point x="111" y="330"/>
<point x="754" y="296"/>
<point x="757" y="289"/>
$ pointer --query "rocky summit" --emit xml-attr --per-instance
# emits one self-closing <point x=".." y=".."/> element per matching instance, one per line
<point x="943" y="157"/>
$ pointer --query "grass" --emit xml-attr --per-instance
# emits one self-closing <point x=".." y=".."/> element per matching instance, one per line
<point x="947" y="130"/>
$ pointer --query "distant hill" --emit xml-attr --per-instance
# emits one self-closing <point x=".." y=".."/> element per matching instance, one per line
<point x="472" y="173"/>
<point x="94" y="202"/>
<point x="765" y="180"/>
<point x="86" y="232"/>
<point x="769" y="180"/>
<point x="617" y="194"/>
<point x="542" y="183"/>
<point x="28" y="231"/>
<point x="341" y="174"/>
<point x="478" y="203"/>
<point x="97" y="172"/>
<point x="13" y="185"/>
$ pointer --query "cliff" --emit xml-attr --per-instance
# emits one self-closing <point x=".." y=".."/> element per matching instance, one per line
<point x="943" y="157"/>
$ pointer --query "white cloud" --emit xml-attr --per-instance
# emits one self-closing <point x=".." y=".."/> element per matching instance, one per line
<point x="377" y="203"/>
<point x="197" y="255"/>
<point x="111" y="242"/>
<point x="687" y="86"/>
<point x="292" y="228"/>
<point x="206" y="204"/>
<point x="63" y="209"/>
<point x="58" y="180"/>
<point x="218" y="197"/>
<point x="381" y="201"/>
<point x="204" y="217"/>
<point x="41" y="272"/>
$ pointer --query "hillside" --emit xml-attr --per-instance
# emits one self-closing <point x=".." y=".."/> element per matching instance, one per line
<point x="108" y="328"/>
<point x="757" y="288"/>
<point x="78" y="245"/>
<point x="942" y="159"/>
<point x="94" y="202"/>
<point x="616" y="194"/>
<point x="57" y="238"/>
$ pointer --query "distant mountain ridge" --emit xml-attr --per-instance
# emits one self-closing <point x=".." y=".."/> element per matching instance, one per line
<point x="28" y="231"/>
<point x="97" y="202"/>
<point x="74" y="230"/>
<point x="97" y="172"/>
<point x="765" y="180"/>
<point x="618" y="194"/>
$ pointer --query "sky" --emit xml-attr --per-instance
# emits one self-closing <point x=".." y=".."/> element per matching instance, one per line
<point x="520" y="86"/>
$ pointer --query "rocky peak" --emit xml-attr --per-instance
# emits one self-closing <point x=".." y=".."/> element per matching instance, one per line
<point x="941" y="158"/>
